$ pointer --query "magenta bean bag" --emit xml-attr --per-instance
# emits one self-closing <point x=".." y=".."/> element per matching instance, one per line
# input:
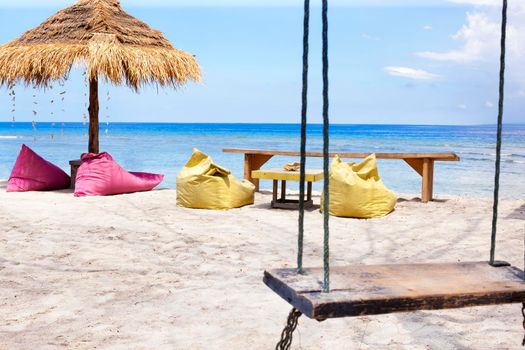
<point x="33" y="173"/>
<point x="100" y="175"/>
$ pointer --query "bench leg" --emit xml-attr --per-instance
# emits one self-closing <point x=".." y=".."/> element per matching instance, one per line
<point x="425" y="168"/>
<point x="428" y="181"/>
<point x="254" y="162"/>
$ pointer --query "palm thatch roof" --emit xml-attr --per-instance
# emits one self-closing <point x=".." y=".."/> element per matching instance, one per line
<point x="101" y="36"/>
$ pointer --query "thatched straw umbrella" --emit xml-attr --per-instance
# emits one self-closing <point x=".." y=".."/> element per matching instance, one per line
<point x="108" y="42"/>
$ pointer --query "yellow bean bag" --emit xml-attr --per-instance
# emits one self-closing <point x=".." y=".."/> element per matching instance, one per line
<point x="356" y="190"/>
<point x="204" y="185"/>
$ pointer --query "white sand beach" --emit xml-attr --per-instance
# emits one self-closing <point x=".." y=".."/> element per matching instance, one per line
<point x="437" y="88"/>
<point x="137" y="272"/>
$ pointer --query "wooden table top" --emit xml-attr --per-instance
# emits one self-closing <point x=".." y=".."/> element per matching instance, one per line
<point x="312" y="175"/>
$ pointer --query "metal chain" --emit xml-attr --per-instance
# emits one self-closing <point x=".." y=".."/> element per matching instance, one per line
<point x="287" y="335"/>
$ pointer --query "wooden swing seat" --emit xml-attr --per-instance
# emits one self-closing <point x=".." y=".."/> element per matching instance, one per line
<point x="382" y="289"/>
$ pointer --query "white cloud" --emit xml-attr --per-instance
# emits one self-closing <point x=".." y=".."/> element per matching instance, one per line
<point x="489" y="104"/>
<point x="370" y="37"/>
<point x="427" y="27"/>
<point x="411" y="73"/>
<point x="462" y="106"/>
<point x="479" y="39"/>
<point x="478" y="35"/>
<point x="477" y="2"/>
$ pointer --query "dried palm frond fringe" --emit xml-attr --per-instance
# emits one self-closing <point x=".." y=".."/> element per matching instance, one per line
<point x="99" y="35"/>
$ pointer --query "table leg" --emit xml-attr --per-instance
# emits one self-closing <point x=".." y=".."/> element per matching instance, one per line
<point x="275" y="189"/>
<point x="283" y="190"/>
<point x="309" y="192"/>
<point x="425" y="168"/>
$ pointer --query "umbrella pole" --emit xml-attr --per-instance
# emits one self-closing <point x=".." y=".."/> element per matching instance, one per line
<point x="93" y="116"/>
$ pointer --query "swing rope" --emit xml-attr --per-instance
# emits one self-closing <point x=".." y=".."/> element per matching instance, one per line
<point x="499" y="137"/>
<point x="304" y="121"/>
<point x="293" y="318"/>
<point x="499" y="142"/>
<point x="326" y="146"/>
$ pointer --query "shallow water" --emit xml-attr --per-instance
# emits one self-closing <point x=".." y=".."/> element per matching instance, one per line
<point x="164" y="148"/>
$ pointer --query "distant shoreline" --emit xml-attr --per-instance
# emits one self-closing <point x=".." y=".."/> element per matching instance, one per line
<point x="247" y="123"/>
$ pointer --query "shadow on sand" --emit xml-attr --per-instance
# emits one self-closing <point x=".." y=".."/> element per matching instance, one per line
<point x="518" y="213"/>
<point x="418" y="200"/>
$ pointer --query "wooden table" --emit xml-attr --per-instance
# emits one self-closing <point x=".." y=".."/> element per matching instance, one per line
<point x="283" y="175"/>
<point x="422" y="163"/>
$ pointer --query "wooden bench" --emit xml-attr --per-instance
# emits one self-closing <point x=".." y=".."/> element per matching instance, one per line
<point x="422" y="163"/>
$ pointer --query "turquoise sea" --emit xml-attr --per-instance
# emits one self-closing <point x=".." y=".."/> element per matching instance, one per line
<point x="164" y="148"/>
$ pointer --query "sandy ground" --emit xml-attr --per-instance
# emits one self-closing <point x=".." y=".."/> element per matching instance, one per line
<point x="136" y="272"/>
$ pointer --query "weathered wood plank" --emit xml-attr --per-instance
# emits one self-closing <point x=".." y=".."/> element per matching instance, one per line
<point x="381" y="289"/>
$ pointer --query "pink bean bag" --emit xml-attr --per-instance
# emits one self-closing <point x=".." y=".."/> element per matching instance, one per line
<point x="100" y="175"/>
<point x="33" y="173"/>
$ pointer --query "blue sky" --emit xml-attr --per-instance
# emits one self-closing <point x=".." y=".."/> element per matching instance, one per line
<point x="391" y="62"/>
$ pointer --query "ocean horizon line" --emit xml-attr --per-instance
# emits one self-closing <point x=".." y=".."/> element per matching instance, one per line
<point x="257" y="123"/>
